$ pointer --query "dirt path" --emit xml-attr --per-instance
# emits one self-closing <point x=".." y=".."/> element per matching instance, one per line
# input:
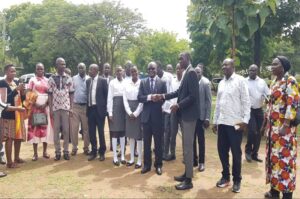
<point x="79" y="178"/>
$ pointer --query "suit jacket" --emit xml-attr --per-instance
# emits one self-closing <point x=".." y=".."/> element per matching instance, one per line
<point x="151" y="110"/>
<point x="188" y="96"/>
<point x="204" y="98"/>
<point x="101" y="95"/>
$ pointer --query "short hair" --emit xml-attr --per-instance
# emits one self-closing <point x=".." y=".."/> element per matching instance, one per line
<point x="8" y="66"/>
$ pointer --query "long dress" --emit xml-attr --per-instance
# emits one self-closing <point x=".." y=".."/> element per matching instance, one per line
<point x="41" y="133"/>
<point x="281" y="150"/>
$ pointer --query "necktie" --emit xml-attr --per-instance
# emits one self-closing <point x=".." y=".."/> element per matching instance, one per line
<point x="91" y="90"/>
<point x="152" y="85"/>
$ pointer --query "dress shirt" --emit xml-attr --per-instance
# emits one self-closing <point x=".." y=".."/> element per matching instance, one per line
<point x="257" y="90"/>
<point x="167" y="77"/>
<point x="94" y="89"/>
<point x="116" y="88"/>
<point x="80" y="93"/>
<point x="131" y="91"/>
<point x="168" y="103"/>
<point x="233" y="101"/>
<point x="154" y="80"/>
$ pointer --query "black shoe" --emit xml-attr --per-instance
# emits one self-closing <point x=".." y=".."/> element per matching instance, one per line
<point x="236" y="187"/>
<point x="223" y="183"/>
<point x="102" y="157"/>
<point x="170" y="158"/>
<point x="180" y="178"/>
<point x="129" y="164"/>
<point x="57" y="157"/>
<point x="2" y="174"/>
<point x="145" y="170"/>
<point x="117" y="163"/>
<point x="92" y="157"/>
<point x="186" y="184"/>
<point x="158" y="171"/>
<point x="123" y="162"/>
<point x="201" y="167"/>
<point x="73" y="153"/>
<point x="137" y="166"/>
<point x="272" y="194"/>
<point x="257" y="159"/>
<point x="66" y="156"/>
<point x="86" y="152"/>
<point x="248" y="157"/>
<point x="195" y="163"/>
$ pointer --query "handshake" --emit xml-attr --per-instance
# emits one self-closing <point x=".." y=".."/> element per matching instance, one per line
<point x="157" y="97"/>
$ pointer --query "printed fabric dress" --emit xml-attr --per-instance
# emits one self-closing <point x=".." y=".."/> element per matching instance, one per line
<point x="42" y="133"/>
<point x="281" y="150"/>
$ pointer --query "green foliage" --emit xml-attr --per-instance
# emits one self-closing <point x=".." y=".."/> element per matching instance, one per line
<point x="162" y="46"/>
<point x="240" y="28"/>
<point x="79" y="33"/>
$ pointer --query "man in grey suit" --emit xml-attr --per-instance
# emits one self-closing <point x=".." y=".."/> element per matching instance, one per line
<point x="203" y="121"/>
<point x="152" y="117"/>
<point x="187" y="109"/>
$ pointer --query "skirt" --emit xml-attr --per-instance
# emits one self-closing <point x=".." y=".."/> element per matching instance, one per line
<point x="119" y="114"/>
<point x="8" y="130"/>
<point x="133" y="127"/>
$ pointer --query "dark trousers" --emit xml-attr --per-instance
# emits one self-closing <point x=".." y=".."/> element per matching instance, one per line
<point x="199" y="135"/>
<point x="254" y="135"/>
<point x="230" y="139"/>
<point x="174" y="122"/>
<point x="155" y="130"/>
<point x="94" y="120"/>
<point x="167" y="135"/>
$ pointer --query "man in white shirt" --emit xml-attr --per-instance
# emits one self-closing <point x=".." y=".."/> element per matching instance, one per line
<point x="232" y="114"/>
<point x="258" y="89"/>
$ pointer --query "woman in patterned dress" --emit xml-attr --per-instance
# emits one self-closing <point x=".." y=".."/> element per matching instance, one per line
<point x="38" y="134"/>
<point x="12" y="123"/>
<point x="281" y="133"/>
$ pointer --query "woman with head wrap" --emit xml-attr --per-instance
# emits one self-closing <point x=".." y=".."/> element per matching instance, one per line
<point x="281" y="134"/>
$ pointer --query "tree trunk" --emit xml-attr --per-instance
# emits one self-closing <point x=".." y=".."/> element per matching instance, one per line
<point x="257" y="46"/>
<point x="233" y="38"/>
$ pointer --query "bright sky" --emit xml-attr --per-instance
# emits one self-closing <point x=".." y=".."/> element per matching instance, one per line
<point x="169" y="15"/>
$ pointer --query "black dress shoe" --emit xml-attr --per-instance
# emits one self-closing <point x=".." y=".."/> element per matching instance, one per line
<point x="57" y="157"/>
<point x="201" y="167"/>
<point x="170" y="158"/>
<point x="102" y="157"/>
<point x="248" y="157"/>
<point x="117" y="163"/>
<point x="137" y="166"/>
<point x="257" y="159"/>
<point x="123" y="162"/>
<point x="186" y="184"/>
<point x="195" y="163"/>
<point x="180" y="178"/>
<point x="145" y="170"/>
<point x="129" y="164"/>
<point x="66" y="157"/>
<point x="92" y="157"/>
<point x="158" y="171"/>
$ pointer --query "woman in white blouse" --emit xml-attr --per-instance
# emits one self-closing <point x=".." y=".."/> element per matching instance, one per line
<point x="133" y="109"/>
<point x="116" y="113"/>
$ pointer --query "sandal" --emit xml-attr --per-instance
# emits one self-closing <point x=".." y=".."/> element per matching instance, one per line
<point x="46" y="155"/>
<point x="19" y="161"/>
<point x="34" y="157"/>
<point x="12" y="165"/>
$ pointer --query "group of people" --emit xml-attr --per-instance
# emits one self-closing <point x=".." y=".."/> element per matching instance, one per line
<point x="153" y="108"/>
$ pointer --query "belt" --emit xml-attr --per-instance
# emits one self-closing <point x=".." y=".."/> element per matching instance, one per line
<point x="81" y="104"/>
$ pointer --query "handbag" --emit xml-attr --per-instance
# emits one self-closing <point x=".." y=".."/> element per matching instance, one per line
<point x="39" y="119"/>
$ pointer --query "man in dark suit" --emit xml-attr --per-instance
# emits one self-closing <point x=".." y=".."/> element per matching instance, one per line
<point x="187" y="109"/>
<point x="152" y="117"/>
<point x="97" y="90"/>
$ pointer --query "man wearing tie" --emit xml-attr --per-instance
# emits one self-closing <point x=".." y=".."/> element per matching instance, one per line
<point x="97" y="90"/>
<point x="187" y="108"/>
<point x="152" y="117"/>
